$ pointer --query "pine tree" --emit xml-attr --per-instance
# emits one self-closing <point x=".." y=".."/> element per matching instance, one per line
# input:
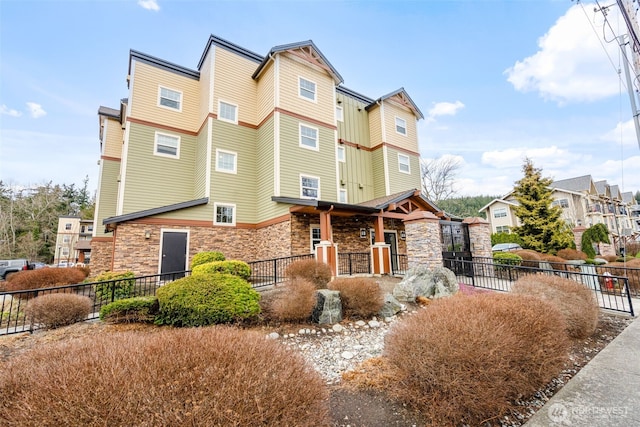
<point x="542" y="228"/>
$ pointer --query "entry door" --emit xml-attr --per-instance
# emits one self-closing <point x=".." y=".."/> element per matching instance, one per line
<point x="390" y="239"/>
<point x="174" y="252"/>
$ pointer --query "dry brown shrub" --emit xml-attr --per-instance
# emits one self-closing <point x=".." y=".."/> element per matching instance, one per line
<point x="572" y="254"/>
<point x="55" y="310"/>
<point x="632" y="248"/>
<point x="316" y="272"/>
<point x="530" y="258"/>
<point x="213" y="376"/>
<point x="295" y="302"/>
<point x="610" y="258"/>
<point x="463" y="360"/>
<point x="556" y="262"/>
<point x="361" y="296"/>
<point x="44" y="278"/>
<point x="375" y="373"/>
<point x="85" y="270"/>
<point x="575" y="301"/>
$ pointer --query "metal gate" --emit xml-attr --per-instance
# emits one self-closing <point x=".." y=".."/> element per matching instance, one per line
<point x="456" y="247"/>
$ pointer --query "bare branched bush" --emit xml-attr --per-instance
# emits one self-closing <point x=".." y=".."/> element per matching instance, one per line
<point x="361" y="296"/>
<point x="572" y="254"/>
<point x="465" y="359"/>
<point x="530" y="258"/>
<point x="295" y="302"/>
<point x="575" y="301"/>
<point x="213" y="376"/>
<point x="58" y="309"/>
<point x="45" y="278"/>
<point x="556" y="262"/>
<point x="316" y="272"/>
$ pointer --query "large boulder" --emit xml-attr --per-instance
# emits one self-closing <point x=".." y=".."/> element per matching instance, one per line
<point x="391" y="306"/>
<point x="328" y="309"/>
<point x="422" y="281"/>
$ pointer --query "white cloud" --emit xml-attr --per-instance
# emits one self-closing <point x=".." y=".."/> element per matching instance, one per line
<point x="571" y="64"/>
<point x="149" y="5"/>
<point x="36" y="110"/>
<point x="445" y="108"/>
<point x="545" y="157"/>
<point x="623" y="132"/>
<point x="9" y="111"/>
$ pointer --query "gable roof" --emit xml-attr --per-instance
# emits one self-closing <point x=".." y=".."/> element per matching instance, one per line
<point x="404" y="99"/>
<point x="231" y="47"/>
<point x="627" y="197"/>
<point x="602" y="188"/>
<point x="109" y="112"/>
<point x="155" y="211"/>
<point x="506" y="202"/>
<point x="579" y="183"/>
<point x="615" y="192"/>
<point x="312" y="52"/>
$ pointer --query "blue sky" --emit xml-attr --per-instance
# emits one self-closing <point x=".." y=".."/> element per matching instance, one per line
<point x="496" y="80"/>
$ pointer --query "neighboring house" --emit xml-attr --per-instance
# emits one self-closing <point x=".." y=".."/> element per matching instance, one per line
<point x="584" y="203"/>
<point x="256" y="156"/>
<point x="73" y="241"/>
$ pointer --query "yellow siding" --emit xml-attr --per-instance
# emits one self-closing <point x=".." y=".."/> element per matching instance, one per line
<point x="233" y="83"/>
<point x="205" y="82"/>
<point x="153" y="181"/>
<point x="375" y="127"/>
<point x="238" y="188"/>
<point x="266" y="101"/>
<point x="112" y="139"/>
<point x="399" y="181"/>
<point x="108" y="196"/>
<point x="408" y="142"/>
<point x="290" y="71"/>
<point x="145" y="89"/>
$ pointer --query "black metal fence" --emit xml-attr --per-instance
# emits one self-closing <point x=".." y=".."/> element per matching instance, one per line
<point x="13" y="314"/>
<point x="271" y="271"/>
<point x="354" y="263"/>
<point x="611" y="292"/>
<point x="402" y="264"/>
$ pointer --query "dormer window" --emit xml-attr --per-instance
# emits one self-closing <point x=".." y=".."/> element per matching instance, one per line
<point x="307" y="89"/>
<point x="401" y="126"/>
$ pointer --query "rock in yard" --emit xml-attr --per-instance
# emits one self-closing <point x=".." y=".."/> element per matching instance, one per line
<point x="390" y="308"/>
<point x="328" y="309"/>
<point x="421" y="281"/>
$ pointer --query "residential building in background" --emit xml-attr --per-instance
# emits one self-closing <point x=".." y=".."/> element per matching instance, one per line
<point x="73" y="240"/>
<point x="256" y="156"/>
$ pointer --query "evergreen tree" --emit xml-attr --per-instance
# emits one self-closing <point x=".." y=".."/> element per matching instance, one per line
<point x="542" y="228"/>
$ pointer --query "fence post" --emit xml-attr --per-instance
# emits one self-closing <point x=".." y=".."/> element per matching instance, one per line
<point x="275" y="271"/>
<point x="628" y="291"/>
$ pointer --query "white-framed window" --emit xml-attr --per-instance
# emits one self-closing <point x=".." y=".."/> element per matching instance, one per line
<point x="66" y="239"/>
<point x="225" y="214"/>
<point x="403" y="163"/>
<point x="307" y="89"/>
<point x="401" y="126"/>
<point x="169" y="98"/>
<point x="226" y="161"/>
<point x="502" y="229"/>
<point x="90" y="228"/>
<point x="342" y="154"/>
<point x="65" y="251"/>
<point x="563" y="203"/>
<point x="228" y="112"/>
<point x="339" y="114"/>
<point x="500" y="213"/>
<point x="314" y="237"/>
<point x="308" y="137"/>
<point x="67" y="226"/>
<point x="342" y="196"/>
<point x="167" y="145"/>
<point x="309" y="187"/>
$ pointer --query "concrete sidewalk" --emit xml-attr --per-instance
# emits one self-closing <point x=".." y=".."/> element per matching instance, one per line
<point x="605" y="393"/>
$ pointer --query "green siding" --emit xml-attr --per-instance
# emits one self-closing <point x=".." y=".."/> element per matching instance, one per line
<point x="355" y="127"/>
<point x="399" y="181"/>
<point x="153" y="181"/>
<point x="238" y="188"/>
<point x="296" y="160"/>
<point x="377" y="159"/>
<point x="357" y="171"/>
<point x="108" y="194"/>
<point x="200" y="169"/>
<point x="196" y="213"/>
<point x="266" y="208"/>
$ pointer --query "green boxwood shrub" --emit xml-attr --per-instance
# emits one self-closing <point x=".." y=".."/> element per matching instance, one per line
<point x="507" y="258"/>
<point x="200" y="300"/>
<point x="237" y="268"/>
<point x="205" y="257"/>
<point x="139" y="309"/>
<point x="114" y="285"/>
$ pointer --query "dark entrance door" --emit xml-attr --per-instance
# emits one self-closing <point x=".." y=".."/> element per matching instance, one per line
<point x="456" y="248"/>
<point x="174" y="253"/>
<point x="390" y="239"/>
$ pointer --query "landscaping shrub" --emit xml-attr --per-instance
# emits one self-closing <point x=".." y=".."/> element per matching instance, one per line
<point x="205" y="257"/>
<point x="85" y="269"/>
<point x="464" y="360"/>
<point x="316" y="272"/>
<point x="530" y="258"/>
<point x="237" y="268"/>
<point x="55" y="310"/>
<point x="200" y="300"/>
<point x="572" y="254"/>
<point x="556" y="262"/>
<point x="213" y="376"/>
<point x="610" y="258"/>
<point x="44" y="278"/>
<point x="632" y="249"/>
<point x="575" y="301"/>
<point x="508" y="258"/>
<point x="129" y="310"/>
<point x="296" y="300"/>
<point x="361" y="296"/>
<point x="114" y="285"/>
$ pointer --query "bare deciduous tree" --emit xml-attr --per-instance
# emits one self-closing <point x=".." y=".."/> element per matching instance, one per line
<point x="438" y="176"/>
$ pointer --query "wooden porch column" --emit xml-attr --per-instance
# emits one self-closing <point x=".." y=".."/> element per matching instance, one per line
<point x="380" y="251"/>
<point x="326" y="250"/>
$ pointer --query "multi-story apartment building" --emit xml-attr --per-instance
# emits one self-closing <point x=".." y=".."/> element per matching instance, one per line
<point x="73" y="240"/>
<point x="584" y="203"/>
<point x="256" y="156"/>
